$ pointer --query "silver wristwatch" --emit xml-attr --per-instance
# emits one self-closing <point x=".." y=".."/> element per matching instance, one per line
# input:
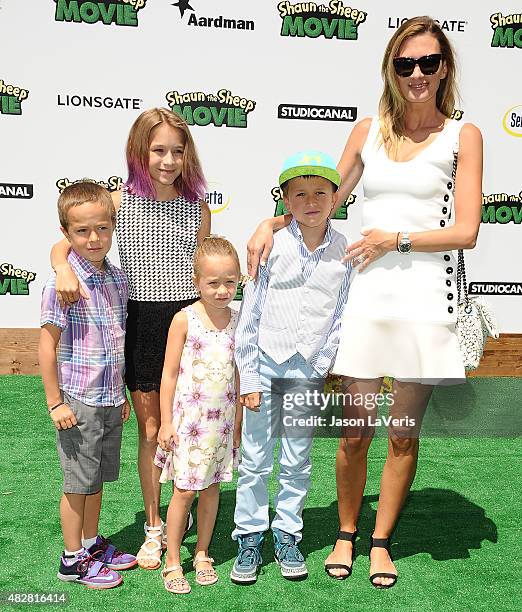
<point x="404" y="243"/>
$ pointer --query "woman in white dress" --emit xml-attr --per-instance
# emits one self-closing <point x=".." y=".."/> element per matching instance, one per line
<point x="400" y="317"/>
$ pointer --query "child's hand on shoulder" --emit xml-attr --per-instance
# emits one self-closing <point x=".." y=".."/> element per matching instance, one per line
<point x="63" y="417"/>
<point x="167" y="436"/>
<point x="125" y="411"/>
<point x="252" y="400"/>
<point x="68" y="287"/>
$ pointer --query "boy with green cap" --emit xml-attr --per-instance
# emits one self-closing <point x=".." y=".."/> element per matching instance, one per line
<point x="288" y="329"/>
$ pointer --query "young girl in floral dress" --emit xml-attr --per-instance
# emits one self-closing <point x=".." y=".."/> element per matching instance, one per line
<point x="200" y="426"/>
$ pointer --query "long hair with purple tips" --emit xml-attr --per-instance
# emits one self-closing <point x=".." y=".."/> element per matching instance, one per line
<point x="190" y="183"/>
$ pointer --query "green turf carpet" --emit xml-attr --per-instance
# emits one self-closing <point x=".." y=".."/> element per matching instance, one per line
<point x="456" y="547"/>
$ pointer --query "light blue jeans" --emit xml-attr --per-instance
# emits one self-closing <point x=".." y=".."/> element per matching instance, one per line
<point x="257" y="456"/>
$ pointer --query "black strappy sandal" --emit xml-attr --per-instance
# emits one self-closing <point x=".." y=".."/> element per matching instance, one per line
<point x="350" y="537"/>
<point x="382" y="543"/>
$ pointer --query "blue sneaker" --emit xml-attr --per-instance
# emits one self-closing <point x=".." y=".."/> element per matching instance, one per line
<point x="288" y="556"/>
<point x="248" y="562"/>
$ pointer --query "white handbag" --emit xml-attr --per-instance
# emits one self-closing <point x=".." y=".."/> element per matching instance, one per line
<point x="475" y="320"/>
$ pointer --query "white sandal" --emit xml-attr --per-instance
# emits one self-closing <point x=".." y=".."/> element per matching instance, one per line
<point x="152" y="549"/>
<point x="179" y="585"/>
<point x="190" y="522"/>
<point x="209" y="573"/>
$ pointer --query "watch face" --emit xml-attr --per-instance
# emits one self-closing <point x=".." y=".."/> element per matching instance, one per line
<point x="404" y="246"/>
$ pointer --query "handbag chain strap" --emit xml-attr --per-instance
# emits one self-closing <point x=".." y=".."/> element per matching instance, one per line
<point x="462" y="285"/>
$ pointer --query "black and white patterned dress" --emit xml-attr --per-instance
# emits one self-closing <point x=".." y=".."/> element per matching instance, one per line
<point x="156" y="243"/>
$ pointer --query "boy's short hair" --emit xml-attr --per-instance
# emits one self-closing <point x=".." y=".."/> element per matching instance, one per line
<point x="284" y="186"/>
<point x="79" y="193"/>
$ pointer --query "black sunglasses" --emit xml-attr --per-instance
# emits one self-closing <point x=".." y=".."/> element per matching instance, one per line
<point x="429" y="64"/>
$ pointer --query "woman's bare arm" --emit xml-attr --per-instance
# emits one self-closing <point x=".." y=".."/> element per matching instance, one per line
<point x="468" y="210"/>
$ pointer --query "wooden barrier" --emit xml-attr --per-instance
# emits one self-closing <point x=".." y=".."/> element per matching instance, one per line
<point x="19" y="354"/>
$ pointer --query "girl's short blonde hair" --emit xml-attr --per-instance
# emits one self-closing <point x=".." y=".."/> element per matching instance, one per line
<point x="215" y="245"/>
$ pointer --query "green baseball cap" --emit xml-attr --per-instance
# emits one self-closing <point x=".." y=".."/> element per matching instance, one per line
<point x="310" y="163"/>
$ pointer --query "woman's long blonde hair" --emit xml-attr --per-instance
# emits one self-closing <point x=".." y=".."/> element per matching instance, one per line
<point x="392" y="104"/>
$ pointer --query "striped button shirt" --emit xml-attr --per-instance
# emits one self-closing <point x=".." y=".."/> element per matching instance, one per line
<point x="247" y="352"/>
<point x="90" y="354"/>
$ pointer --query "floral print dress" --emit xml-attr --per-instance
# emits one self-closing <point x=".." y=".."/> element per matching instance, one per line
<point x="204" y="408"/>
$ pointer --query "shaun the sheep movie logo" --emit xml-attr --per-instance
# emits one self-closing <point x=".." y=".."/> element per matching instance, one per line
<point x="341" y="213"/>
<point x="117" y="12"/>
<point x="11" y="98"/>
<point x="311" y="20"/>
<point x="457" y="114"/>
<point x="507" y="30"/>
<point x="113" y="183"/>
<point x="502" y="208"/>
<point x="15" y="281"/>
<point x="224" y="108"/>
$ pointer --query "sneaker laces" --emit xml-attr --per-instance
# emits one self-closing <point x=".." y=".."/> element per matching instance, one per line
<point x="86" y="562"/>
<point x="249" y="554"/>
<point x="289" y="551"/>
<point x="105" y="543"/>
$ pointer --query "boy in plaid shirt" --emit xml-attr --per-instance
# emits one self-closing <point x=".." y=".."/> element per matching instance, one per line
<point x="81" y="357"/>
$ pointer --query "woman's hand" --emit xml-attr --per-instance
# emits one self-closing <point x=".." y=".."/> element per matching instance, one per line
<point x="236" y="438"/>
<point x="167" y="436"/>
<point x="68" y="287"/>
<point x="259" y="247"/>
<point x="374" y="244"/>
<point x="125" y="411"/>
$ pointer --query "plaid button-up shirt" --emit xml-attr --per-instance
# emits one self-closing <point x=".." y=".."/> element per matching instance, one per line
<point x="90" y="354"/>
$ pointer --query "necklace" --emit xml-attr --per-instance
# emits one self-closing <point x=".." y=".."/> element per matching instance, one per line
<point x="426" y="127"/>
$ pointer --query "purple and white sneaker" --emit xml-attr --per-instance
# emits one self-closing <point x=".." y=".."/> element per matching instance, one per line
<point x="90" y="571"/>
<point x="112" y="558"/>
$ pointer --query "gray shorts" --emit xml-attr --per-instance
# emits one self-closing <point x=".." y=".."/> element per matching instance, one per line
<point x="90" y="452"/>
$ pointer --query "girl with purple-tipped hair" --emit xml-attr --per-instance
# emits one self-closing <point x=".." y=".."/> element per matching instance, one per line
<point x="161" y="218"/>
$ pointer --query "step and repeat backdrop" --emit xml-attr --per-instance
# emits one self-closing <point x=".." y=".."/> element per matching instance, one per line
<point x="257" y="80"/>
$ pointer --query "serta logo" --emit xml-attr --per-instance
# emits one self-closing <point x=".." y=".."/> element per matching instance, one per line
<point x="217" y="201"/>
<point x="11" y="98"/>
<point x="507" y="30"/>
<point x="222" y="109"/>
<point x="311" y="20"/>
<point x="512" y="121"/>
<point x="502" y="208"/>
<point x="280" y="209"/>
<point x="15" y="281"/>
<point x="113" y="183"/>
<point x="117" y="12"/>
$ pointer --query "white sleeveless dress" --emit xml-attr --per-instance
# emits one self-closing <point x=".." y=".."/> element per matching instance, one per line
<point x="400" y="317"/>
